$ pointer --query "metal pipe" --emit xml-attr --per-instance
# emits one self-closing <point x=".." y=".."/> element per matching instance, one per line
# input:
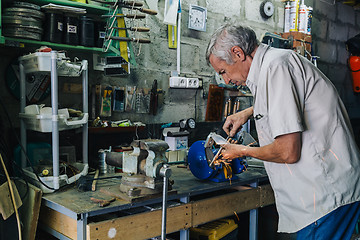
<point x="85" y="109"/>
<point x="55" y="120"/>
<point x="165" y="172"/>
<point x="178" y="55"/>
<point x="22" y="110"/>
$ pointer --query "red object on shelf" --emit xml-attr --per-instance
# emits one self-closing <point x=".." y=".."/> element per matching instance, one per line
<point x="354" y="64"/>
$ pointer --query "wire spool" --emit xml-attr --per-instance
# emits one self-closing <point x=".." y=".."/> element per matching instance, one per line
<point x="23" y="20"/>
<point x="27" y="12"/>
<point x="20" y="21"/>
<point x="23" y="32"/>
<point x="26" y="5"/>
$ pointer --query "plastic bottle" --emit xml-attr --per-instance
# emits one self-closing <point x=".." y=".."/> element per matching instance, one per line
<point x="294" y="15"/>
<point x="302" y="18"/>
<point x="287" y="18"/>
<point x="309" y="13"/>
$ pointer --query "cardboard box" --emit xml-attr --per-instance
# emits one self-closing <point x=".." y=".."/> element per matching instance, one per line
<point x="177" y="143"/>
<point x="299" y="40"/>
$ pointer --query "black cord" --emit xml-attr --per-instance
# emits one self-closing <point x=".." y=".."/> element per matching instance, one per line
<point x="22" y="147"/>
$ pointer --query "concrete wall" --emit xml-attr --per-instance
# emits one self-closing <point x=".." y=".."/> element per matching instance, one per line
<point x="156" y="60"/>
<point x="333" y="24"/>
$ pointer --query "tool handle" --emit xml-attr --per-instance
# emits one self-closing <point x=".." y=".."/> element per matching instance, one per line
<point x="132" y="3"/>
<point x="141" y="40"/>
<point x="140" y="29"/>
<point x="148" y="11"/>
<point x="93" y="186"/>
<point x="135" y="16"/>
<point x="126" y="39"/>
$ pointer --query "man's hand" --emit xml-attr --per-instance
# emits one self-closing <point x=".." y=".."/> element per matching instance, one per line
<point x="234" y="122"/>
<point x="232" y="151"/>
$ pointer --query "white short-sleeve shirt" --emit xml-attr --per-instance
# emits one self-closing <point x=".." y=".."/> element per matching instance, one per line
<point x="292" y="95"/>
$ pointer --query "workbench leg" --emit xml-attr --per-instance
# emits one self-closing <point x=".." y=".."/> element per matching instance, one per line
<point x="254" y="219"/>
<point x="184" y="234"/>
<point x="81" y="226"/>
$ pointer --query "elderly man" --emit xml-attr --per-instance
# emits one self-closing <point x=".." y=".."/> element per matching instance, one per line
<point x="306" y="141"/>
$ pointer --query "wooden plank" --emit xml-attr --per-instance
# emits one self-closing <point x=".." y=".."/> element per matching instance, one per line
<point x="6" y="204"/>
<point x="72" y="88"/>
<point x="141" y="226"/>
<point x="29" y="211"/>
<point x="223" y="206"/>
<point x="59" y="222"/>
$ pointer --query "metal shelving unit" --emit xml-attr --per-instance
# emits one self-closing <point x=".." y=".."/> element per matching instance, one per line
<point x="54" y="116"/>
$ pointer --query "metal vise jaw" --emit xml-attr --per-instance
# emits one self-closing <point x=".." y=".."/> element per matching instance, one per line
<point x="143" y="165"/>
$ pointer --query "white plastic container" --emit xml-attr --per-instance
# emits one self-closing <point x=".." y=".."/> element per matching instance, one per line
<point x="294" y="15"/>
<point x="287" y="18"/>
<point x="49" y="181"/>
<point x="43" y="122"/>
<point x="37" y="62"/>
<point x="302" y="18"/>
<point x="41" y="62"/>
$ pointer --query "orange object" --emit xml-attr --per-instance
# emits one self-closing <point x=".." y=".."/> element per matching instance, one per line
<point x="354" y="64"/>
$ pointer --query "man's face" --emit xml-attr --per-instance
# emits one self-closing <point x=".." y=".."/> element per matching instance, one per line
<point x="235" y="73"/>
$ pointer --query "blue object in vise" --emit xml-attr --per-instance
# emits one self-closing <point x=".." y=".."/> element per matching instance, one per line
<point x="199" y="164"/>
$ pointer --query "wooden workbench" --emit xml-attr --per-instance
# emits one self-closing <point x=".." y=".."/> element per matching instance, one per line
<point x="69" y="213"/>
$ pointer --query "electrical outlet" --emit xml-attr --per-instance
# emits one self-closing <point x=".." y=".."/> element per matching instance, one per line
<point x="192" y="83"/>
<point x="177" y="82"/>
<point x="184" y="82"/>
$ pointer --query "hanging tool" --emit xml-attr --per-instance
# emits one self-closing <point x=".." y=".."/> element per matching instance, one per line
<point x="127" y="39"/>
<point x="129" y="3"/>
<point x="153" y="99"/>
<point x="143" y="10"/>
<point x="133" y="16"/>
<point x="134" y="29"/>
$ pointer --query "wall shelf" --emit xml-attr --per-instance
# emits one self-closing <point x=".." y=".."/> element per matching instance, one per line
<point x="24" y="43"/>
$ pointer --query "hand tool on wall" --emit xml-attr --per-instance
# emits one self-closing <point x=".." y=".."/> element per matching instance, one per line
<point x="154" y="98"/>
<point x="134" y="29"/>
<point x="132" y="5"/>
<point x="128" y="39"/>
<point x="143" y="10"/>
<point x="105" y="110"/>
<point x="128" y="3"/>
<point x="132" y="16"/>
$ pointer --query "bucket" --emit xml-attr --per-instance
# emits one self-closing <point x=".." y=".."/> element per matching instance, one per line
<point x="87" y="32"/>
<point x="100" y="29"/>
<point x="71" y="30"/>
<point x="354" y="65"/>
<point x="53" y="27"/>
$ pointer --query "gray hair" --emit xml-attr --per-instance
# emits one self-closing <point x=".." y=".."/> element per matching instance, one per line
<point x="229" y="36"/>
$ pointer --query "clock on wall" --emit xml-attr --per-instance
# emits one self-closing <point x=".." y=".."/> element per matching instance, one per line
<point x="197" y="18"/>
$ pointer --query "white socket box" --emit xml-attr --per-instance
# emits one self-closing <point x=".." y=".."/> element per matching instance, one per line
<point x="183" y="82"/>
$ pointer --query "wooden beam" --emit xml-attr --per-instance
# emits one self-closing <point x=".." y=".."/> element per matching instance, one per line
<point x="148" y="224"/>
<point x="58" y="222"/>
<point x="141" y="226"/>
<point x="29" y="211"/>
<point x="222" y="206"/>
